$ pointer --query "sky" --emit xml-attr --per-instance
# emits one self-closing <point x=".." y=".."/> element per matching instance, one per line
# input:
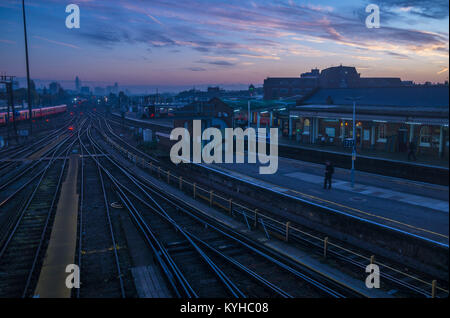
<point x="175" y="44"/>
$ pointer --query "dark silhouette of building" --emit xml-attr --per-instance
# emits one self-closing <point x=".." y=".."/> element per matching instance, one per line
<point x="77" y="84"/>
<point x="333" y="77"/>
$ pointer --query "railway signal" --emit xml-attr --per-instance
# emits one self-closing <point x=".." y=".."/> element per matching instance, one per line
<point x="152" y="111"/>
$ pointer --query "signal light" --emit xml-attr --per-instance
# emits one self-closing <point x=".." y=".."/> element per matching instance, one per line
<point x="70" y="128"/>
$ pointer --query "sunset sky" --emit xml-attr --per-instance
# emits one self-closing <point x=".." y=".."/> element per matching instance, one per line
<point x="197" y="42"/>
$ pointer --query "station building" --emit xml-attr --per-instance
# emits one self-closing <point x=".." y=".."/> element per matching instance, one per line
<point x="387" y="118"/>
<point x="332" y="77"/>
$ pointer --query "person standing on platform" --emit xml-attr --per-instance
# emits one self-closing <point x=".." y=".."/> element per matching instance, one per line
<point x="412" y="151"/>
<point x="329" y="170"/>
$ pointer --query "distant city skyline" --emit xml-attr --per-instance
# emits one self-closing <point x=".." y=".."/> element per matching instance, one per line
<point x="135" y="89"/>
<point x="173" y="45"/>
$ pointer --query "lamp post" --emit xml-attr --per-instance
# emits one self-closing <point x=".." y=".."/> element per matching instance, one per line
<point x="248" y="116"/>
<point x="28" y="67"/>
<point x="353" y="99"/>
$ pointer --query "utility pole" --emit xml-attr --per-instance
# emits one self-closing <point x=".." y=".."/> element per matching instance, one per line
<point x="30" y="112"/>
<point x="353" y="99"/>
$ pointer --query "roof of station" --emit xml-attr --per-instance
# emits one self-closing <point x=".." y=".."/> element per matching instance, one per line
<point x="258" y="104"/>
<point x="412" y="96"/>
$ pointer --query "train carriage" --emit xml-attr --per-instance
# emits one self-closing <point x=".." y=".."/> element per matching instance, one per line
<point x="36" y="113"/>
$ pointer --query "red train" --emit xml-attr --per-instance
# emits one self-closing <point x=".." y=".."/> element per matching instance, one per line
<point x="37" y="112"/>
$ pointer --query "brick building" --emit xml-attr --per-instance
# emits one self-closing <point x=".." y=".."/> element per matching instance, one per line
<point x="333" y="77"/>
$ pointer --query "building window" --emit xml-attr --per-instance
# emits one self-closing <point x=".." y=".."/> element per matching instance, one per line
<point x="425" y="136"/>
<point x="331" y="132"/>
<point x="306" y="126"/>
<point x="366" y="135"/>
<point x="382" y="133"/>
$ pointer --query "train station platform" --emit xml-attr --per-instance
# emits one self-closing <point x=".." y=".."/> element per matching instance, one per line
<point x="426" y="169"/>
<point x="162" y="122"/>
<point x="63" y="239"/>
<point x="417" y="208"/>
<point x="422" y="159"/>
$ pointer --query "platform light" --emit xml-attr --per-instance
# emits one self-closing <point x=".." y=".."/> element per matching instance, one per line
<point x="412" y="123"/>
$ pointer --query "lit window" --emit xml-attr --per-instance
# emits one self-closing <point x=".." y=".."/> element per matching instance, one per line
<point x="306" y="125"/>
<point x="425" y="136"/>
<point x="382" y="132"/>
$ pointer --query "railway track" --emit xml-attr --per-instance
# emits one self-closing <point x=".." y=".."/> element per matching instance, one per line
<point x="100" y="243"/>
<point x="13" y="159"/>
<point x="203" y="259"/>
<point x="24" y="233"/>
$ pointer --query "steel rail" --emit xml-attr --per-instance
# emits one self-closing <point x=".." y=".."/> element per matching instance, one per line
<point x="122" y="289"/>
<point x="165" y="261"/>
<point x="304" y="277"/>
<point x="225" y="280"/>
<point x="235" y="291"/>
<point x="28" y="202"/>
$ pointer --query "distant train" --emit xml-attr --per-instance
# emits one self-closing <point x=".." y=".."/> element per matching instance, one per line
<point x="36" y="113"/>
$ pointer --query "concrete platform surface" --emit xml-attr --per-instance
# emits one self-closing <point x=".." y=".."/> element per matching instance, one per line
<point x="418" y="208"/>
<point x="63" y="240"/>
